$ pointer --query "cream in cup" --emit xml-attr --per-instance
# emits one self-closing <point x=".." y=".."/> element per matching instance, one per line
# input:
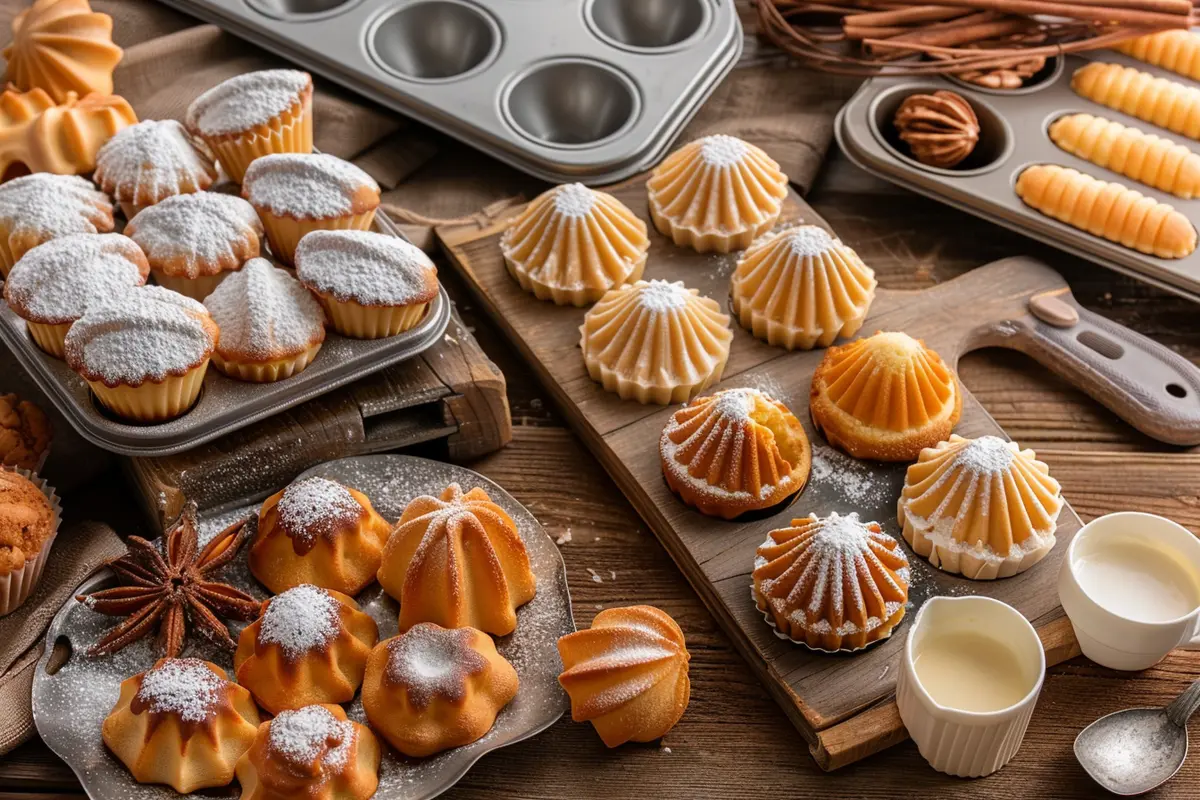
<point x="1130" y="585"/>
<point x="969" y="679"/>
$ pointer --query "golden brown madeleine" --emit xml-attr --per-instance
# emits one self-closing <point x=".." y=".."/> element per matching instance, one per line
<point x="62" y="46"/>
<point x="1168" y="104"/>
<point x="1145" y="158"/>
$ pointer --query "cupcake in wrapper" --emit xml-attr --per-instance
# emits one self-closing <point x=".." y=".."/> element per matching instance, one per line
<point x="40" y="207"/>
<point x="148" y="162"/>
<point x="371" y="285"/>
<point x="253" y="115"/>
<point x="296" y="194"/>
<point x="30" y="515"/>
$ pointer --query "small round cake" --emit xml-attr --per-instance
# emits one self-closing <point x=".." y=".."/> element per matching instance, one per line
<point x="40" y="207"/>
<point x="310" y="645"/>
<point x="370" y="284"/>
<point x="144" y="354"/>
<point x="253" y="115"/>
<point x="432" y="688"/>
<point x="271" y="326"/>
<point x="320" y="532"/>
<point x="297" y="193"/>
<point x="313" y="752"/>
<point x="25" y="434"/>
<point x="54" y="283"/>
<point x="29" y="518"/>
<point x="148" y="162"/>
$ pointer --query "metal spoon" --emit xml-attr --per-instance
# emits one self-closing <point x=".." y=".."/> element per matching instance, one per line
<point x="1131" y="752"/>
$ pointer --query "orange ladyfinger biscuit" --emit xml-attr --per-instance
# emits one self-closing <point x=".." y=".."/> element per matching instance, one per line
<point x="1145" y="158"/>
<point x="1164" y="103"/>
<point x="1177" y="51"/>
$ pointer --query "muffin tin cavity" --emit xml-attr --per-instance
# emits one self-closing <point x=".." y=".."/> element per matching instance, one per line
<point x="434" y="40"/>
<point x="302" y="10"/>
<point x="1044" y="77"/>
<point x="571" y="102"/>
<point x="647" y="24"/>
<point x="995" y="136"/>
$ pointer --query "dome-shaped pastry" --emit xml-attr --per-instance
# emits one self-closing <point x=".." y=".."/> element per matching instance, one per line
<point x="431" y="688"/>
<point x="833" y="583"/>
<point x="885" y="397"/>
<point x="627" y="674"/>
<point x="655" y="342"/>
<point x="314" y="752"/>
<point x="980" y="507"/>
<point x="271" y="326"/>
<point x="716" y="194"/>
<point x="801" y="287"/>
<point x="182" y="723"/>
<point x="40" y="207"/>
<point x="310" y="645"/>
<point x="734" y="451"/>
<point x="572" y="244"/>
<point x="320" y="532"/>
<point x="62" y="46"/>
<point x="151" y="161"/>
<point x="459" y="561"/>
<point x="63" y="139"/>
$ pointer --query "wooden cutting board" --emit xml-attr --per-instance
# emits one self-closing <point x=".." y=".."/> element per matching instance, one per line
<point x="840" y="703"/>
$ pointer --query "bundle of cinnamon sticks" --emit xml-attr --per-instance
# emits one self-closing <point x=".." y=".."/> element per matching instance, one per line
<point x="992" y="42"/>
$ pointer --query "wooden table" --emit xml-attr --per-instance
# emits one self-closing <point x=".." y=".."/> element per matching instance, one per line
<point x="733" y="741"/>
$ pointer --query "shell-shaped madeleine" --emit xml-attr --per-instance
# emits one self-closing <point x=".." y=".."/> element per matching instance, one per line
<point x="182" y="723"/>
<point x="627" y="674"/>
<point x="572" y="244"/>
<point x="62" y="46"/>
<point x="716" y="194"/>
<point x="832" y="583"/>
<point x="885" y="397"/>
<point x="734" y="451"/>
<point x="309" y="645"/>
<point x="457" y="560"/>
<point x="801" y="287"/>
<point x="655" y="342"/>
<point x="981" y="507"/>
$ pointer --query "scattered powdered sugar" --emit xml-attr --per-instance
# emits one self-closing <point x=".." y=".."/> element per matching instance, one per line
<point x="430" y="661"/>
<point x="316" y="507"/>
<point x="722" y="150"/>
<point x="197" y="232"/>
<point x="56" y="281"/>
<point x="306" y="185"/>
<point x="574" y="200"/>
<point x="307" y="734"/>
<point x="854" y="480"/>
<point x="151" y="160"/>
<point x="735" y="404"/>
<point x="809" y="240"/>
<point x="246" y="101"/>
<point x="185" y="687"/>
<point x="365" y="267"/>
<point x="661" y="296"/>
<point x="989" y="455"/>
<point x="300" y="620"/>
<point x="53" y="205"/>
<point x="263" y="312"/>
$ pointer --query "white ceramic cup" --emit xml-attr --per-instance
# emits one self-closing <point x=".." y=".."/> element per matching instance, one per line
<point x="969" y="744"/>
<point x="1108" y="638"/>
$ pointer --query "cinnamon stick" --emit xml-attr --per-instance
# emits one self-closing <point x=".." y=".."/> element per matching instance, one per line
<point x="1078" y="10"/>
<point x="902" y="16"/>
<point x="980" y="27"/>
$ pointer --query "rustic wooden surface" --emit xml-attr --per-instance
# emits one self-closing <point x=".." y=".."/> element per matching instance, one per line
<point x="734" y="741"/>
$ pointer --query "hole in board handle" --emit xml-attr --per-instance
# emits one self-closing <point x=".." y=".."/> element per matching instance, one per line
<point x="1175" y="390"/>
<point x="59" y="656"/>
<point x="1101" y="344"/>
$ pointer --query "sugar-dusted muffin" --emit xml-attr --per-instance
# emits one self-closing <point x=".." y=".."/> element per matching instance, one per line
<point x="734" y="451"/>
<point x="54" y="283"/>
<point x="861" y="603"/>
<point x="1127" y="151"/>
<point x="320" y="532"/>
<point x="1168" y="104"/>
<point x="151" y="161"/>
<point x="253" y="115"/>
<point x="63" y="47"/>
<point x="431" y="688"/>
<point x="655" y="342"/>
<point x="25" y="434"/>
<point x="271" y="326"/>
<point x="182" y="723"/>
<point x="627" y="674"/>
<point x="371" y="285"/>
<point x="313" y="752"/>
<point x="40" y="207"/>
<point x="309" y="645"/>
<point x="29" y="519"/>
<point x="459" y="561"/>
<point x="716" y="194"/>
<point x="144" y="354"/>
<point x="572" y="244"/>
<point x="296" y="193"/>
<point x="801" y="287"/>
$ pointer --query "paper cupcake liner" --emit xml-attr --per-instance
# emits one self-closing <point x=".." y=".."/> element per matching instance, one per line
<point x="288" y="133"/>
<point x="370" y="322"/>
<point x="153" y="402"/>
<point x="16" y="586"/>
<point x="50" y="338"/>
<point x="285" y="233"/>
<point x="275" y="370"/>
<point x="7" y="258"/>
<point x="766" y="613"/>
<point x="195" y="288"/>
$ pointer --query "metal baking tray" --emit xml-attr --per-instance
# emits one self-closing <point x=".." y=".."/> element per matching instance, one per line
<point x="1014" y="135"/>
<point x="587" y="90"/>
<point x="224" y="405"/>
<point x="72" y="697"/>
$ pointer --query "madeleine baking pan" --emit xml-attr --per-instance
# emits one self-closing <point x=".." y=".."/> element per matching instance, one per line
<point x="587" y="90"/>
<point x="225" y="404"/>
<point x="1014" y="135"/>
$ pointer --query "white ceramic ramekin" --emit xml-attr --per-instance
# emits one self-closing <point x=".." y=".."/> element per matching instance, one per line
<point x="969" y="744"/>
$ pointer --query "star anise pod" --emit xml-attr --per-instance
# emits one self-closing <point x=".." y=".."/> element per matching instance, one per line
<point x="169" y="589"/>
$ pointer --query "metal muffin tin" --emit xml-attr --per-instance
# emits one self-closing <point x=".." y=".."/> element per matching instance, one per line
<point x="224" y="405"/>
<point x="587" y="90"/>
<point x="984" y="184"/>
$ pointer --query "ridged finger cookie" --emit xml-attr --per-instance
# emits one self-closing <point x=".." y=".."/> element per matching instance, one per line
<point x="1144" y="157"/>
<point x="1164" y="103"/>
<point x="1178" y="51"/>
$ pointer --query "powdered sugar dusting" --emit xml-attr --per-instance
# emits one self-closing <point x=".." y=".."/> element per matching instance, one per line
<point x="317" y="507"/>
<point x="264" y="312"/>
<point x="300" y="620"/>
<point x="661" y="296"/>
<point x="198" y="232"/>
<point x="856" y="481"/>
<point x="574" y="200"/>
<point x="365" y="267"/>
<point x="304" y="185"/>
<point x="430" y="661"/>
<point x="722" y="151"/>
<point x="309" y="734"/>
<point x="246" y="101"/>
<point x="988" y="455"/>
<point x="185" y="687"/>
<point x="152" y="160"/>
<point x="809" y="241"/>
<point x="53" y="205"/>
<point x="735" y="404"/>
<point x="56" y="281"/>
